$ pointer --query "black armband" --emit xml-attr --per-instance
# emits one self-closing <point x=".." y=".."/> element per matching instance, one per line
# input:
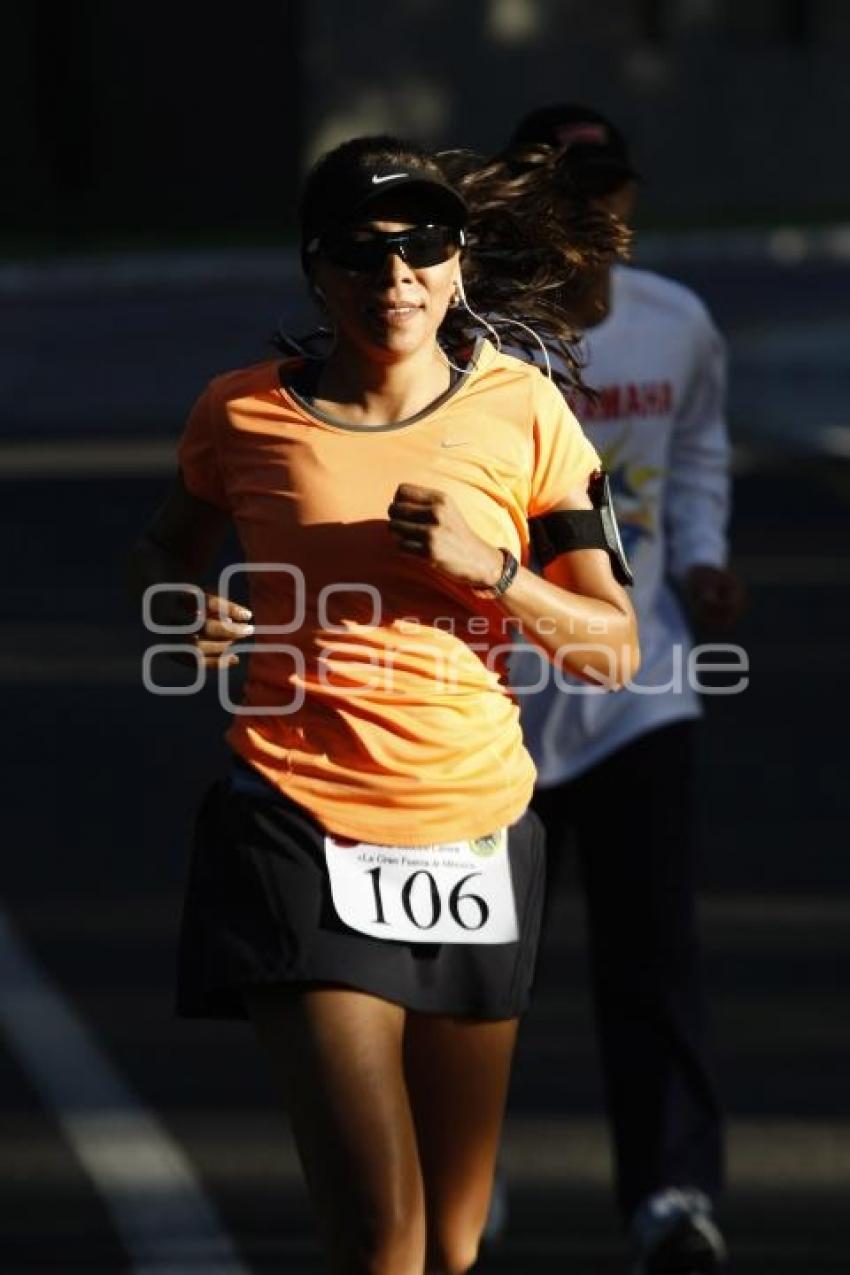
<point x="566" y="530"/>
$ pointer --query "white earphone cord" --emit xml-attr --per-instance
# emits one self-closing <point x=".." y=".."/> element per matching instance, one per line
<point x="485" y="323"/>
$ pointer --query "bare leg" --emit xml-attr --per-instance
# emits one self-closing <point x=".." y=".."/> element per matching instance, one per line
<point x="338" y="1055"/>
<point x="457" y="1075"/>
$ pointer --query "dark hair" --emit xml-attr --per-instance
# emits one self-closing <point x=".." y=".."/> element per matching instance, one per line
<point x="534" y="244"/>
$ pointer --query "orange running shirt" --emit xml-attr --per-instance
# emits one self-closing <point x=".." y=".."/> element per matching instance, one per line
<point x="384" y="710"/>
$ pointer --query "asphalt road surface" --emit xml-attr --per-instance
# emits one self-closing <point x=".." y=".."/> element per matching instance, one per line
<point x="135" y="1142"/>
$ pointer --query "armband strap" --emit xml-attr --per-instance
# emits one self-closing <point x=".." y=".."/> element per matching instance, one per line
<point x="566" y="530"/>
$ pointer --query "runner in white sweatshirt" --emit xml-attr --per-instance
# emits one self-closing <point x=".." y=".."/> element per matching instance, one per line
<point x="616" y="770"/>
<point x="657" y="363"/>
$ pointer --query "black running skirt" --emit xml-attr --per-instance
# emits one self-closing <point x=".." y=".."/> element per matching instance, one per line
<point x="258" y="911"/>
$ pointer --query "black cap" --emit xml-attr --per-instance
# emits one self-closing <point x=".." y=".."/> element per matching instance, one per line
<point x="591" y="143"/>
<point x="339" y="193"/>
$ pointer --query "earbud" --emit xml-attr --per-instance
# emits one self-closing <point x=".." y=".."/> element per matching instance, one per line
<point x="494" y="334"/>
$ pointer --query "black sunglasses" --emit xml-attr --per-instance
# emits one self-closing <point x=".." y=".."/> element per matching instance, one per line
<point x="366" y="250"/>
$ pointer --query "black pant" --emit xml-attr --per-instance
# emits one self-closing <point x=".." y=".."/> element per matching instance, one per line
<point x="631" y="818"/>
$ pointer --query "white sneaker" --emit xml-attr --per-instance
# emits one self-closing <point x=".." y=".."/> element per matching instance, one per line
<point x="674" y="1233"/>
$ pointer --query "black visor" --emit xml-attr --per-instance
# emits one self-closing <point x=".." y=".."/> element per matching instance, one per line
<point x="341" y="201"/>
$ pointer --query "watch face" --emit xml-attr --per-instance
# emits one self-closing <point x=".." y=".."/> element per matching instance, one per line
<point x="508" y="572"/>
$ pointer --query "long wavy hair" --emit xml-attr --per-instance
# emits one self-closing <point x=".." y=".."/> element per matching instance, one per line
<point x="535" y="246"/>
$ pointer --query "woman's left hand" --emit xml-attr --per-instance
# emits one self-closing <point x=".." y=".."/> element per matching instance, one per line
<point x="429" y="524"/>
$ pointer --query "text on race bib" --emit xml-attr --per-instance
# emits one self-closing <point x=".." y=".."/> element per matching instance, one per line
<point x="460" y="892"/>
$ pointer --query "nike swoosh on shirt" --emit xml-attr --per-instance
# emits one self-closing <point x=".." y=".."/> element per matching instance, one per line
<point x="453" y="442"/>
<point x="393" y="177"/>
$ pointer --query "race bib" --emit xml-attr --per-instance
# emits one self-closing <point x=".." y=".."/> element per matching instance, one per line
<point x="456" y="893"/>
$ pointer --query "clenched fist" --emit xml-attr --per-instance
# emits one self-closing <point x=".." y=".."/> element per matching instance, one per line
<point x="429" y="524"/>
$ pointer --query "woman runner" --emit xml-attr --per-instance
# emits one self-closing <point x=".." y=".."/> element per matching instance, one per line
<point x="366" y="882"/>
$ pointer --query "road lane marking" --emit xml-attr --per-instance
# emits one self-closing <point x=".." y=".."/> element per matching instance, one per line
<point x="177" y="270"/>
<point x="88" y="458"/>
<point x="148" y="270"/>
<point x="793" y="570"/>
<point x="146" y="1182"/>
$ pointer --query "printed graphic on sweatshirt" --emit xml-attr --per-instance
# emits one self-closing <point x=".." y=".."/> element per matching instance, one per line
<point x="629" y="400"/>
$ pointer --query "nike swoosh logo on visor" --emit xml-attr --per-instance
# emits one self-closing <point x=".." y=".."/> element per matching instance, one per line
<point x="393" y="177"/>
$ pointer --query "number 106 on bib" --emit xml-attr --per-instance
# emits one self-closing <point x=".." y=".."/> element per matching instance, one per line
<point x="456" y="893"/>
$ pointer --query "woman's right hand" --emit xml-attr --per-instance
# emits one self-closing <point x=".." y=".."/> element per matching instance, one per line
<point x="180" y="544"/>
<point x="224" y="622"/>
